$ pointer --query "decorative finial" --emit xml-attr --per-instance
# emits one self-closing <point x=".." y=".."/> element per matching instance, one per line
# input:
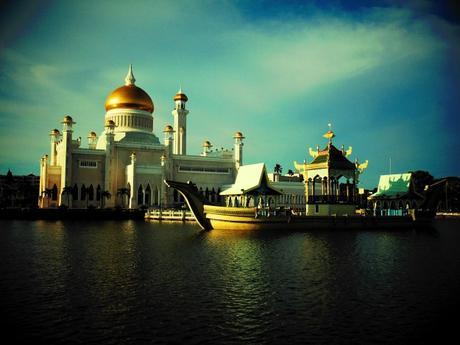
<point x="329" y="134"/>
<point x="130" y="80"/>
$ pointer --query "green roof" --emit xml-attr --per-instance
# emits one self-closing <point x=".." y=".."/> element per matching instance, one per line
<point x="334" y="157"/>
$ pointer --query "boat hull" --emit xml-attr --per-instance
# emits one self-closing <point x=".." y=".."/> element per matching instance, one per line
<point x="231" y="218"/>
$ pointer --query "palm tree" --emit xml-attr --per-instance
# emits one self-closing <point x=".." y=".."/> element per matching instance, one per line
<point x="105" y="194"/>
<point x="122" y="192"/>
<point x="290" y="172"/>
<point x="278" y="169"/>
<point x="67" y="191"/>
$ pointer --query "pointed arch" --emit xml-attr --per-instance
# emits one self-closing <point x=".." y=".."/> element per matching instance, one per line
<point x="140" y="195"/>
<point x="148" y="195"/>
<point x="54" y="192"/>
<point x="75" y="192"/>
<point x="91" y="192"/>
<point x="83" y="192"/>
<point x="98" y="193"/>
<point x="156" y="196"/>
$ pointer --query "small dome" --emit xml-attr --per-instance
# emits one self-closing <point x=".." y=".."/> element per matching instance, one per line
<point x="168" y="129"/>
<point x="68" y="119"/>
<point x="180" y="96"/>
<point x="109" y="123"/>
<point x="129" y="96"/>
<point x="92" y="135"/>
<point x="55" y="132"/>
<point x="238" y="135"/>
<point x="206" y="143"/>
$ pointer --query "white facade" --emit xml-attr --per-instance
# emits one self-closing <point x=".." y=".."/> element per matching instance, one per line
<point x="126" y="165"/>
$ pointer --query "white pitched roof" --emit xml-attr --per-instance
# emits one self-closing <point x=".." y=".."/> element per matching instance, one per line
<point x="393" y="185"/>
<point x="249" y="177"/>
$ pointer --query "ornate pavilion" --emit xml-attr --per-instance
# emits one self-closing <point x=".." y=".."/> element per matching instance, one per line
<point x="330" y="180"/>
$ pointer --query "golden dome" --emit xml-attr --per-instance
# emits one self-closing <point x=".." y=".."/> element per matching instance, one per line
<point x="168" y="129"/>
<point x="206" y="143"/>
<point x="55" y="132"/>
<point x="67" y="119"/>
<point x="238" y="135"/>
<point x="92" y="135"/>
<point x="129" y="96"/>
<point x="180" y="96"/>
<point x="109" y="123"/>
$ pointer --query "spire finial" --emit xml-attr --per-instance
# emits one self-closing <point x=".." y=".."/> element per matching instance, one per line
<point x="330" y="134"/>
<point x="130" y="80"/>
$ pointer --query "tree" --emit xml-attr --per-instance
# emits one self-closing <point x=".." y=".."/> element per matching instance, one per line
<point x="122" y="192"/>
<point x="420" y="179"/>
<point x="278" y="169"/>
<point x="105" y="194"/>
<point x="67" y="191"/>
<point x="290" y="172"/>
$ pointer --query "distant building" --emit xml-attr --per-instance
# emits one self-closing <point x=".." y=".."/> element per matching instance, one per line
<point x="126" y="165"/>
<point x="19" y="191"/>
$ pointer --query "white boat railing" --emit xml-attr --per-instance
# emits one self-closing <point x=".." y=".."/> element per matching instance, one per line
<point x="169" y="214"/>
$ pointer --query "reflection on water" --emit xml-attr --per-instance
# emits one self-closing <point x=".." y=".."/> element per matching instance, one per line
<point x="139" y="282"/>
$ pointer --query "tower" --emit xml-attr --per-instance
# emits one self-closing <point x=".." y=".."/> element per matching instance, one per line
<point x="109" y="152"/>
<point x="180" y="123"/>
<point x="168" y="140"/>
<point x="66" y="160"/>
<point x="238" y="151"/>
<point x="55" y="134"/>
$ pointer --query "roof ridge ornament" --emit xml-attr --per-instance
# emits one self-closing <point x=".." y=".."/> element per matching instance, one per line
<point x="329" y="134"/>
<point x="130" y="80"/>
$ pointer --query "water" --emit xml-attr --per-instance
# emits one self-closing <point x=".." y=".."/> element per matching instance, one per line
<point x="134" y="282"/>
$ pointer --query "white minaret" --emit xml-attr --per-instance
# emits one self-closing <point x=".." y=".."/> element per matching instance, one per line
<point x="180" y="123"/>
<point x="238" y="150"/>
<point x="109" y="151"/>
<point x="55" y="135"/>
<point x="66" y="160"/>
<point x="206" y="147"/>
<point x="168" y="140"/>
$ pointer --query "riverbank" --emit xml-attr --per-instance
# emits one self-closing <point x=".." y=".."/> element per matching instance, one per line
<point x="77" y="214"/>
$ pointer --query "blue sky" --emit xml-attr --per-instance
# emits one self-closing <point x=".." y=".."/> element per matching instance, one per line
<point x="385" y="74"/>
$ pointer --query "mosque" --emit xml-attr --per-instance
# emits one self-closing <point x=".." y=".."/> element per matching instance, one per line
<point x="126" y="164"/>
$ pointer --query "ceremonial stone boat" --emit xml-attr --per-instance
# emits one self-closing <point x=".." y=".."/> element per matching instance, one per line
<point x="211" y="217"/>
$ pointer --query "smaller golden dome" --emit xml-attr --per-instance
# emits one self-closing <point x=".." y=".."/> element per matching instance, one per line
<point x="92" y="135"/>
<point x="168" y="129"/>
<point x="68" y="119"/>
<point x="109" y="123"/>
<point x="55" y="132"/>
<point x="238" y="135"/>
<point x="206" y="143"/>
<point x="180" y="96"/>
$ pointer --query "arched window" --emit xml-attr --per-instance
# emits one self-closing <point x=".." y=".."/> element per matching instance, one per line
<point x="54" y="193"/>
<point x="140" y="195"/>
<point x="148" y="194"/>
<point x="75" y="192"/>
<point x="98" y="193"/>
<point x="156" y="197"/>
<point x="91" y="192"/>
<point x="83" y="192"/>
